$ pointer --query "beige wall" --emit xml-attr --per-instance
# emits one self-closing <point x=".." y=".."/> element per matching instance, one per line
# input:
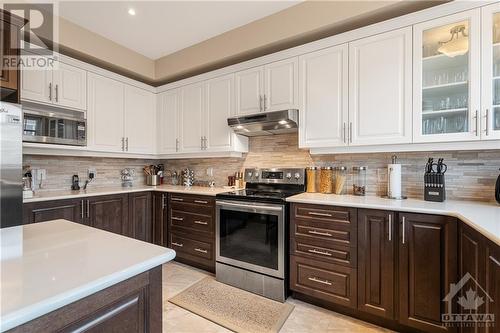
<point x="299" y="24"/>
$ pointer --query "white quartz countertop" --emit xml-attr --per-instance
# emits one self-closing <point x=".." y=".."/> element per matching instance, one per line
<point x="484" y="217"/>
<point x="48" y="265"/>
<point x="69" y="194"/>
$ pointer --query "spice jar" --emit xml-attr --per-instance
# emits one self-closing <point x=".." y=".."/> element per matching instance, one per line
<point x="312" y="175"/>
<point x="359" y="180"/>
<point x="326" y="181"/>
<point x="340" y="180"/>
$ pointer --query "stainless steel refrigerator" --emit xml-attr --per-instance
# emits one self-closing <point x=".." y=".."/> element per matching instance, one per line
<point x="11" y="191"/>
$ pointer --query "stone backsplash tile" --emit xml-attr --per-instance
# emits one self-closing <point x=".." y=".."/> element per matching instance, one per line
<point x="471" y="174"/>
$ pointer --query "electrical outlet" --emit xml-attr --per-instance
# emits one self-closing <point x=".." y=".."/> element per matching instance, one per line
<point x="92" y="170"/>
<point x="210" y="172"/>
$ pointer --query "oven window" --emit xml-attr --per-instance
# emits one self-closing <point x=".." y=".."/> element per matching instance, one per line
<point x="249" y="237"/>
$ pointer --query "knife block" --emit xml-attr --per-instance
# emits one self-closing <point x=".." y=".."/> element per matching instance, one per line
<point x="434" y="187"/>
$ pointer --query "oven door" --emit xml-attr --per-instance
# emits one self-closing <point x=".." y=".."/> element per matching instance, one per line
<point x="251" y="236"/>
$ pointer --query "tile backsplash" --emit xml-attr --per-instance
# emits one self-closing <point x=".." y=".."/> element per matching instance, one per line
<point x="471" y="175"/>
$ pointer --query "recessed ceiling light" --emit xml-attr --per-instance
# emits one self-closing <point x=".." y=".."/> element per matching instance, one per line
<point x="131" y="11"/>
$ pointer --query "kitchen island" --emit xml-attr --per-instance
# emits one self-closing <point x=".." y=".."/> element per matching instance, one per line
<point x="63" y="275"/>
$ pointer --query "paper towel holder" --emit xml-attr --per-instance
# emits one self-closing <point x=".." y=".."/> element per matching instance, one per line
<point x="402" y="197"/>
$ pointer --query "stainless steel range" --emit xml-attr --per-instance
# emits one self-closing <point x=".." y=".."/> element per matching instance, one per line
<point x="252" y="232"/>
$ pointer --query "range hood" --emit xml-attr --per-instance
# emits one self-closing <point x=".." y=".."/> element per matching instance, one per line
<point x="265" y="123"/>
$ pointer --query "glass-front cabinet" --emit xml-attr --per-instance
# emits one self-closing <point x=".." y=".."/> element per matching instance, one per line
<point x="447" y="78"/>
<point x="490" y="99"/>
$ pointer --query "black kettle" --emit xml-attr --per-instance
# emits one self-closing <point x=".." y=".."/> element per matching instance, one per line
<point x="497" y="190"/>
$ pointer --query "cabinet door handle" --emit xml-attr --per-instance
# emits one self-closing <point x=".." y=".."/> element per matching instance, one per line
<point x="390" y="228"/>
<point x="477" y="122"/>
<point x="350" y="132"/>
<point x="201" y="222"/>
<point x="81" y="212"/>
<point x="265" y="102"/>
<point x="123" y="143"/>
<point x="50" y="91"/>
<point x="177" y="244"/>
<point x="176" y="144"/>
<point x="200" y="250"/>
<point x="206" y="142"/>
<point x="201" y="201"/>
<point x="57" y="93"/>
<point x="260" y="102"/>
<point x="88" y="209"/>
<point x="318" y="280"/>
<point x="323" y="253"/>
<point x="320" y="214"/>
<point x="177" y="218"/>
<point x="487" y="129"/>
<point x="163" y="204"/>
<point x="343" y="131"/>
<point x="494" y="260"/>
<point x="176" y="199"/>
<point x="314" y="232"/>
<point x="403" y="232"/>
<point x="126" y="143"/>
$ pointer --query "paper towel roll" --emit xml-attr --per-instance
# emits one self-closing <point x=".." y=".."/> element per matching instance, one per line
<point x="394" y="180"/>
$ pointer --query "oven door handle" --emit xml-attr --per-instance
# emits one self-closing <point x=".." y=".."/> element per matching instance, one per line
<point x="250" y="206"/>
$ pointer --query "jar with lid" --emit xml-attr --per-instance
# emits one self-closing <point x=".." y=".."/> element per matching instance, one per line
<point x="359" y="180"/>
<point x="341" y="180"/>
<point x="312" y="176"/>
<point x="326" y="181"/>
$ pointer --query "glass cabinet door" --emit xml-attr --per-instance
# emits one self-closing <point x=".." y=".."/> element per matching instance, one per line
<point x="447" y="78"/>
<point x="491" y="72"/>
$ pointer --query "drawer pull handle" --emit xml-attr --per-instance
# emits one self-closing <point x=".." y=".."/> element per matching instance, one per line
<point x="177" y="218"/>
<point x="177" y="244"/>
<point x="200" y="250"/>
<point x="324" y="253"/>
<point x="314" y="232"/>
<point x="176" y="199"/>
<point x="201" y="201"/>
<point x="201" y="222"/>
<point x="318" y="280"/>
<point x="320" y="214"/>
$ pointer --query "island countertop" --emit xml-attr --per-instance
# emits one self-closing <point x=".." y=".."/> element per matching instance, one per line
<point x="48" y="265"/>
<point x="483" y="217"/>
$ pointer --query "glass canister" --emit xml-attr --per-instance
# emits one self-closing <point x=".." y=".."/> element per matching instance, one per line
<point x="341" y="180"/>
<point x="359" y="180"/>
<point x="312" y="176"/>
<point x="326" y="181"/>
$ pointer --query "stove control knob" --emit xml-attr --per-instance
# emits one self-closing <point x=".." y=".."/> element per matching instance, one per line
<point x="288" y="176"/>
<point x="297" y="175"/>
<point x="249" y="174"/>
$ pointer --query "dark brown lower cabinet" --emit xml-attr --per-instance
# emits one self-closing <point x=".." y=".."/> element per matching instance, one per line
<point x="131" y="306"/>
<point x="376" y="262"/>
<point x="427" y="267"/>
<point x="71" y="210"/>
<point x="479" y="258"/>
<point x="139" y="223"/>
<point x="108" y="212"/>
<point x="160" y="218"/>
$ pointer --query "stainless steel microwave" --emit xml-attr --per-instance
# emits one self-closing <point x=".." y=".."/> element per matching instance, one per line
<point x="64" y="127"/>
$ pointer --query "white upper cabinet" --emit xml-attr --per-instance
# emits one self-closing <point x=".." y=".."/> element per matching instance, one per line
<point x="70" y="86"/>
<point x="447" y="83"/>
<point x="168" y="120"/>
<point x="105" y="114"/>
<point x="490" y="47"/>
<point x="249" y="91"/>
<point x="191" y="119"/>
<point x="139" y="120"/>
<point x="65" y="86"/>
<point x="380" y="89"/>
<point x="219" y="106"/>
<point x="323" y="97"/>
<point x="281" y="85"/>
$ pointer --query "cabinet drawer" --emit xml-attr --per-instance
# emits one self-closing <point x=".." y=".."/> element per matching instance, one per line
<point x="332" y="283"/>
<point x="190" y="248"/>
<point x="323" y="250"/>
<point x="192" y="199"/>
<point x="188" y="220"/>
<point x="340" y="215"/>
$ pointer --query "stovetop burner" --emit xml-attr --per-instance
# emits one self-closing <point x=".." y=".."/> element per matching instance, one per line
<point x="268" y="185"/>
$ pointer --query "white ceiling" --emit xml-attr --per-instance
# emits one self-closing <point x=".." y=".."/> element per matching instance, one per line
<point x="160" y="28"/>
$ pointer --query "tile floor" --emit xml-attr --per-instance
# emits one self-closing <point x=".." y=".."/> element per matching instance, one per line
<point x="304" y="318"/>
